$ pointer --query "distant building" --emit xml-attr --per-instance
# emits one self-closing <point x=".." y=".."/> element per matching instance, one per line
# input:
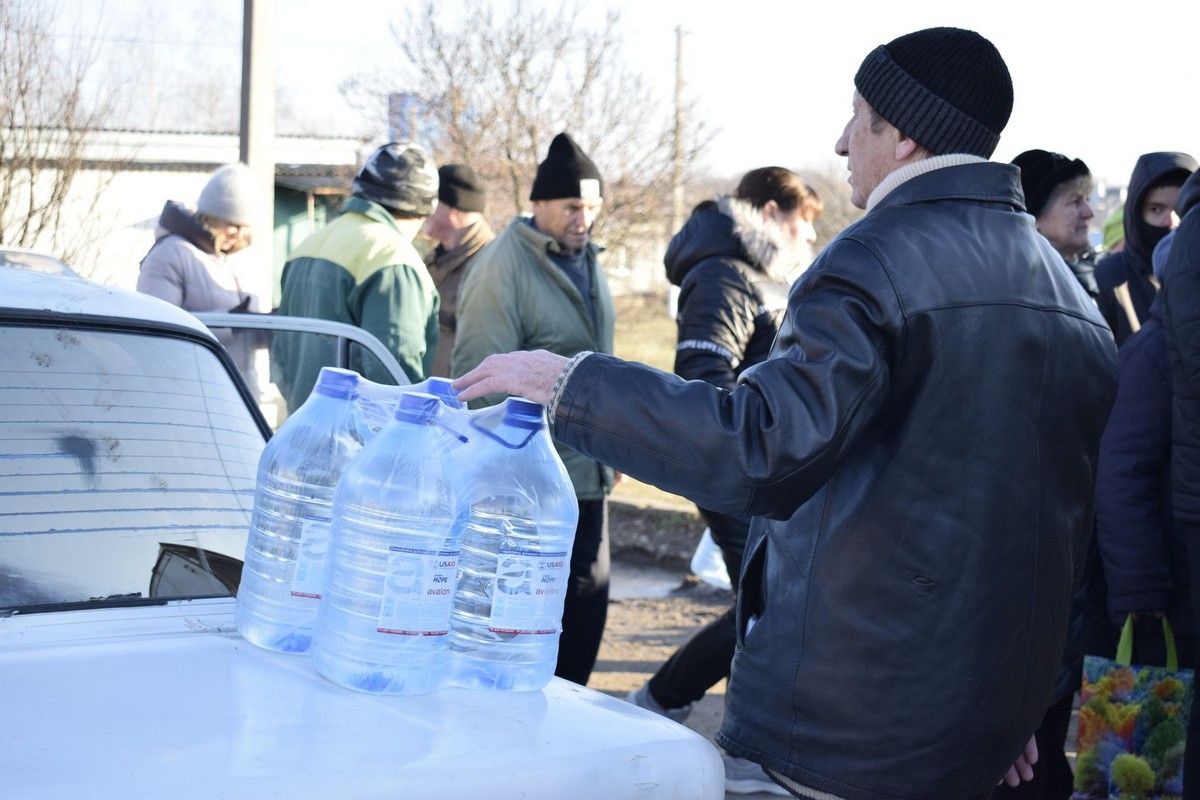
<point x="125" y="177"/>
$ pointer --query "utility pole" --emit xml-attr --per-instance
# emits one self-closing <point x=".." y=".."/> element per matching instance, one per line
<point x="677" y="162"/>
<point x="677" y="144"/>
<point x="256" y="142"/>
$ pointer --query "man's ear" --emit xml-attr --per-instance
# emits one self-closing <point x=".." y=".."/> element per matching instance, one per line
<point x="907" y="149"/>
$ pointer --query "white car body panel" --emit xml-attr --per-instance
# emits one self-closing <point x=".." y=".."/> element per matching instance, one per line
<point x="169" y="701"/>
<point x="138" y="694"/>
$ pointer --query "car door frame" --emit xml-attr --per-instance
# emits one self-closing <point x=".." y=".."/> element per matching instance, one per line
<point x="345" y="336"/>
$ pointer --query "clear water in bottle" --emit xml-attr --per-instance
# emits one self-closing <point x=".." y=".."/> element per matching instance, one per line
<point x="298" y="471"/>
<point x="393" y="560"/>
<point x="515" y="552"/>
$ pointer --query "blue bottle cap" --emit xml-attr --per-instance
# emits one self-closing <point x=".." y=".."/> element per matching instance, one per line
<point x="522" y="413"/>
<point x="336" y="382"/>
<point x="440" y="388"/>
<point x="418" y="407"/>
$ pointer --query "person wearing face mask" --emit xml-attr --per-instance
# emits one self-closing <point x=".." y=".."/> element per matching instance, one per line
<point x="734" y="261"/>
<point x="1056" y="192"/>
<point x="1126" y="279"/>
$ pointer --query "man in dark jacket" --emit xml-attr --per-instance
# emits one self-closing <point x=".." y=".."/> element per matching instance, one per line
<point x="1126" y="279"/>
<point x="458" y="226"/>
<point x="918" y="451"/>
<point x="1181" y="320"/>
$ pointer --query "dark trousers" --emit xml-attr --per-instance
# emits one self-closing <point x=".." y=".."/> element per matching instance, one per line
<point x="585" y="609"/>
<point x="704" y="660"/>
<point x="698" y="665"/>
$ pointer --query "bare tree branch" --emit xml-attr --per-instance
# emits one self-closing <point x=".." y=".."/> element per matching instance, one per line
<point x="46" y="123"/>
<point x="492" y="83"/>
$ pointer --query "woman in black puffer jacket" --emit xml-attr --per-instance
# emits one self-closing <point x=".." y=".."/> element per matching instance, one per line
<point x="734" y="261"/>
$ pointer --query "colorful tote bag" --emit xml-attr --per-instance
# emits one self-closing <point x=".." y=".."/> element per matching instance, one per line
<point x="1132" y="725"/>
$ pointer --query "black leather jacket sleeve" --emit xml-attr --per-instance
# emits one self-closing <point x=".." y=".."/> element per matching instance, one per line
<point x="770" y="444"/>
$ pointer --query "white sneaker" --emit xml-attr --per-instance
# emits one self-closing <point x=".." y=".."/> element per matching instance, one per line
<point x="643" y="699"/>
<point x="746" y="777"/>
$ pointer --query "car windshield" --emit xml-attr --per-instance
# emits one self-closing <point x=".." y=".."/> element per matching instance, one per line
<point x="127" y="468"/>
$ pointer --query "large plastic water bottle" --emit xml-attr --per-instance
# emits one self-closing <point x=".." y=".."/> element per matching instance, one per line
<point x="515" y="552"/>
<point x="298" y="471"/>
<point x="393" y="560"/>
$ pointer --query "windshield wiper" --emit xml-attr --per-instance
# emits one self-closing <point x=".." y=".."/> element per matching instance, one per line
<point x="131" y="600"/>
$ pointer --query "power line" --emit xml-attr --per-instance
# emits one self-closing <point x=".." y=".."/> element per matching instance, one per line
<point x="301" y="46"/>
<point x="151" y="42"/>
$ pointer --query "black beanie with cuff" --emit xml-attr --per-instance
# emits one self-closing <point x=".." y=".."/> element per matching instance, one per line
<point x="947" y="89"/>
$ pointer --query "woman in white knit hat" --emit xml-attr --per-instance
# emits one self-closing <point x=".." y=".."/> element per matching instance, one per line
<point x="189" y="264"/>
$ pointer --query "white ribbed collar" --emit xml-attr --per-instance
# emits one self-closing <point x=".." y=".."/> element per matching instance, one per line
<point x="910" y="171"/>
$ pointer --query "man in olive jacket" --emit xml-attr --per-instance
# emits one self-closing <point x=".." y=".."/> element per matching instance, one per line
<point x="918" y="451"/>
<point x="538" y="286"/>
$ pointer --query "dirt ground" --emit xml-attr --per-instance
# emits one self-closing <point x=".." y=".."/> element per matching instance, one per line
<point x="654" y="540"/>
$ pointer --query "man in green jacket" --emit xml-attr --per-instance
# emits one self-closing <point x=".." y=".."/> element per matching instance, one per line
<point x="362" y="269"/>
<point x="539" y="286"/>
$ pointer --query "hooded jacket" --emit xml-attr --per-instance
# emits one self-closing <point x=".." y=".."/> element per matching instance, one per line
<point x="1181" y="320"/>
<point x="732" y="291"/>
<point x="919" y="451"/>
<point x="184" y="268"/>
<point x="1145" y="557"/>
<point x="1126" y="279"/>
<point x="1145" y="560"/>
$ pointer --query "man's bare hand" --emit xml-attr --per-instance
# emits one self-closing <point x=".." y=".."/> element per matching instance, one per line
<point x="528" y="374"/>
<point x="1022" y="770"/>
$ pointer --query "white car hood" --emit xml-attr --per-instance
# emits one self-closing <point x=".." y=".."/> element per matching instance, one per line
<point x="168" y="701"/>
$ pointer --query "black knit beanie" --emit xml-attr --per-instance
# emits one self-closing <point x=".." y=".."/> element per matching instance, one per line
<point x="566" y="172"/>
<point x="459" y="187"/>
<point x="1042" y="172"/>
<point x="947" y="89"/>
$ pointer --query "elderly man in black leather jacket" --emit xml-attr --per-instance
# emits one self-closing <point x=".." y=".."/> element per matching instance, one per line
<point x="919" y="452"/>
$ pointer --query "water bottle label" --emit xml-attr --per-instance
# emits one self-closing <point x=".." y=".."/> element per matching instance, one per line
<point x="310" y="557"/>
<point x="529" y="592"/>
<point x="418" y="592"/>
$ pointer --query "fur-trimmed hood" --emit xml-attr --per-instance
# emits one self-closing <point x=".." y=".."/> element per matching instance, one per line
<point x="731" y="228"/>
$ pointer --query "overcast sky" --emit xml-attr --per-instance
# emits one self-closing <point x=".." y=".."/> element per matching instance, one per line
<point x="1098" y="84"/>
